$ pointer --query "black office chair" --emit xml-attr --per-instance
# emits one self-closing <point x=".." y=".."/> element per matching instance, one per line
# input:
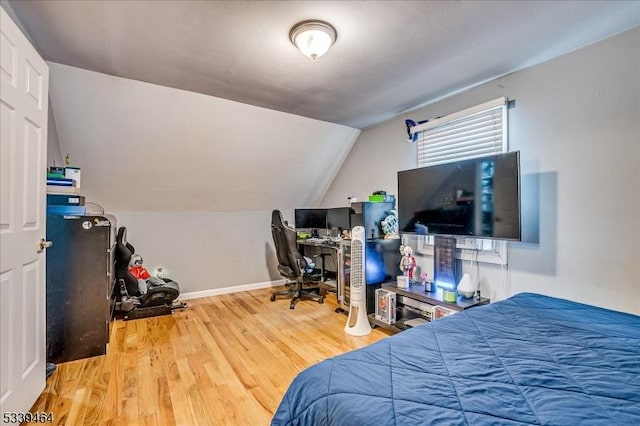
<point x="291" y="264"/>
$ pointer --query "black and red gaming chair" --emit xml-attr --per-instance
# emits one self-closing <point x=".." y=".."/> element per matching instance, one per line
<point x="159" y="293"/>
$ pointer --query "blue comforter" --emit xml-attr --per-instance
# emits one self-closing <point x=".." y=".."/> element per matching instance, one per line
<point x="530" y="359"/>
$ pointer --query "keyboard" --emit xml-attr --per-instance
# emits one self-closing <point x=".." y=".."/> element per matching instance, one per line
<point x="317" y="240"/>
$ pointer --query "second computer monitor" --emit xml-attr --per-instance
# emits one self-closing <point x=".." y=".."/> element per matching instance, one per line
<point x="339" y="217"/>
<point x="311" y="218"/>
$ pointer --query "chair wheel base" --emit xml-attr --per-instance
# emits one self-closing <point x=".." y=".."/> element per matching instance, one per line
<point x="273" y="297"/>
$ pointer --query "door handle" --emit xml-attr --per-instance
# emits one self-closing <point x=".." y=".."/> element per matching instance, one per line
<point x="44" y="244"/>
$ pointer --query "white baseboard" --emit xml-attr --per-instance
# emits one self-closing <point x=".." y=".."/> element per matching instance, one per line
<point x="228" y="290"/>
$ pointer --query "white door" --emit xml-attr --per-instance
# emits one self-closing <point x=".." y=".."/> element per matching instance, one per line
<point x="24" y="88"/>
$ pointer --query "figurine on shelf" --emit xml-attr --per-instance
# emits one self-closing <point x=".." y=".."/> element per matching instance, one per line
<point x="425" y="282"/>
<point x="408" y="262"/>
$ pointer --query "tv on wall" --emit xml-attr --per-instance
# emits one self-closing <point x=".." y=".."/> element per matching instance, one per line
<point x="475" y="198"/>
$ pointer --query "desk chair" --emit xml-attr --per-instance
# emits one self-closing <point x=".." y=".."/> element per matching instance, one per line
<point x="291" y="263"/>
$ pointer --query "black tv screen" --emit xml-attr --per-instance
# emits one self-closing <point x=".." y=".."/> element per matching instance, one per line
<point x="339" y="217"/>
<point x="311" y="218"/>
<point x="475" y="198"/>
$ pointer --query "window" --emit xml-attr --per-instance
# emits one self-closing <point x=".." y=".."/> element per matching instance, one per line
<point x="474" y="132"/>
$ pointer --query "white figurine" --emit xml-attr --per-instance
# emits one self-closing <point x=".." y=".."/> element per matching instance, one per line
<point x="408" y="262"/>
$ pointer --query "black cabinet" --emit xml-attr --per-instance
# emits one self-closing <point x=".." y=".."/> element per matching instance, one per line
<point x="79" y="285"/>
<point x="382" y="256"/>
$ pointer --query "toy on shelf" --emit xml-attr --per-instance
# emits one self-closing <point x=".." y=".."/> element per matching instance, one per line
<point x="425" y="282"/>
<point x="390" y="225"/>
<point x="408" y="262"/>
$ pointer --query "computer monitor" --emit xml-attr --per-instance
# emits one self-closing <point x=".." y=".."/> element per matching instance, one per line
<point x="339" y="217"/>
<point x="311" y="218"/>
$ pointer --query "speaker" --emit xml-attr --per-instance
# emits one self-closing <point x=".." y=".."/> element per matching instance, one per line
<point x="357" y="323"/>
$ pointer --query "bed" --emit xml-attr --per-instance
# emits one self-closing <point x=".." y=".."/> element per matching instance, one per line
<point x="529" y="359"/>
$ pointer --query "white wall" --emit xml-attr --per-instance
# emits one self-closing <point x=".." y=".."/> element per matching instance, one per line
<point x="54" y="154"/>
<point x="577" y="126"/>
<point x="205" y="250"/>
<point x="193" y="177"/>
<point x="144" y="147"/>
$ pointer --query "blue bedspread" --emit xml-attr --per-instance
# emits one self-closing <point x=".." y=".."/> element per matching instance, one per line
<point x="530" y="359"/>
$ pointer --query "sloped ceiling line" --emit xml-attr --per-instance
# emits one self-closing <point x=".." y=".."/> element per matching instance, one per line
<point x="144" y="147"/>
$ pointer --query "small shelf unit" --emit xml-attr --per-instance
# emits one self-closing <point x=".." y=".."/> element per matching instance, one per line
<point x="417" y="293"/>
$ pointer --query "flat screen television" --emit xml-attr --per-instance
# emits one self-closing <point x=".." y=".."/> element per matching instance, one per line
<point x="475" y="198"/>
<point x="311" y="218"/>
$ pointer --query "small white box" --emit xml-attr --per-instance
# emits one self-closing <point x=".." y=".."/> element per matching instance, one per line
<point x="385" y="306"/>
<point x="403" y="281"/>
<point x="73" y="173"/>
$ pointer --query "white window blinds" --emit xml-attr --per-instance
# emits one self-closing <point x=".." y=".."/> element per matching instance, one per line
<point x="473" y="132"/>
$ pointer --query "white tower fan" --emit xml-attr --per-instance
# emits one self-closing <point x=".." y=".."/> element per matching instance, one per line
<point x="357" y="323"/>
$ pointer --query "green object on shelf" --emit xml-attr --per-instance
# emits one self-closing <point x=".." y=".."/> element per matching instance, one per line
<point x="382" y="198"/>
<point x="449" y="295"/>
<point x="54" y="175"/>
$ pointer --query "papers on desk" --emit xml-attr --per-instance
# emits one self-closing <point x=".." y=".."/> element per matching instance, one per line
<point x="317" y="240"/>
<point x="321" y="241"/>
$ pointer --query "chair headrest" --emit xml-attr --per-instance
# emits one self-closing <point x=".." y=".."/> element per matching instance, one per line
<point x="278" y="221"/>
<point x="276" y="218"/>
<point x="122" y="235"/>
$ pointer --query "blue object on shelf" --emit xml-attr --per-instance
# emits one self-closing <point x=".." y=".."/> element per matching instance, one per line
<point x="60" y="181"/>
<point x="66" y="210"/>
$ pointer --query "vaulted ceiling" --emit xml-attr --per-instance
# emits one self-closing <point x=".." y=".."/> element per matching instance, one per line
<point x="390" y="56"/>
<point x="206" y="105"/>
<point x="144" y="147"/>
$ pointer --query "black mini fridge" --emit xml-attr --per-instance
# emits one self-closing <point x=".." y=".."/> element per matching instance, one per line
<point x="79" y="285"/>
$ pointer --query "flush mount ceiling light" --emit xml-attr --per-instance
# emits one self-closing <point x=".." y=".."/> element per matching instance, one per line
<point x="313" y="38"/>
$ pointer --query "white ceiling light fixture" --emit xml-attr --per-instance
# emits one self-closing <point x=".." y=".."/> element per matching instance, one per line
<point x="313" y="38"/>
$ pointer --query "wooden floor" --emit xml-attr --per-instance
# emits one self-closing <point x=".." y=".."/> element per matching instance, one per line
<point x="224" y="360"/>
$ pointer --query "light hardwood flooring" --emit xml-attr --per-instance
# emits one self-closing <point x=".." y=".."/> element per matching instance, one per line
<point x="225" y="360"/>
